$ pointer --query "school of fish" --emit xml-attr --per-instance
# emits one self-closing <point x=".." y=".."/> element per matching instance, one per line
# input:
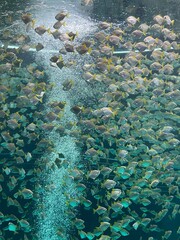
<point x="128" y="179"/>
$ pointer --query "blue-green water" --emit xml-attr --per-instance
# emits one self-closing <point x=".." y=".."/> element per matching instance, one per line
<point x="79" y="129"/>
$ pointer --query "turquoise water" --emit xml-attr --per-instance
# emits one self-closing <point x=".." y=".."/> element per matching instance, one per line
<point x="89" y="141"/>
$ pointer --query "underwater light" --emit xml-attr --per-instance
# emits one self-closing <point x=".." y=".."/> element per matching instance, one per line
<point x="29" y="50"/>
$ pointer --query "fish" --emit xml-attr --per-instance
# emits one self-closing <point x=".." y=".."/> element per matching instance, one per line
<point x="54" y="59"/>
<point x="60" y="63"/>
<point x="67" y="85"/>
<point x="58" y="24"/>
<point x="69" y="47"/>
<point x="88" y="76"/>
<point x="6" y="136"/>
<point x="5" y="67"/>
<point x="144" y="27"/>
<point x="100" y="210"/>
<point x="90" y="235"/>
<point x="87" y="203"/>
<point x="51" y="116"/>
<point x="82" y="49"/>
<point x="25" y="193"/>
<point x="159" y="19"/>
<point x="79" y="224"/>
<point x="93" y="174"/>
<point x="26" y="18"/>
<point x="105" y="171"/>
<point x="104" y="237"/>
<point x="24" y="225"/>
<point x="104" y="226"/>
<point x="115" y="194"/>
<point x="39" y="47"/>
<point x="167" y="234"/>
<point x="138" y="33"/>
<point x="109" y="184"/>
<point x="105" y="111"/>
<point x="101" y="36"/>
<point x="82" y="234"/>
<point x="12" y="227"/>
<point x="65" y="37"/>
<point x="132" y="20"/>
<point x="61" y="15"/>
<point x="72" y="35"/>
<point x="28" y="157"/>
<point x="41" y="30"/>
<point x="56" y="34"/>
<point x="141" y="46"/>
<point x="107" y="50"/>
<point x="104" y="25"/>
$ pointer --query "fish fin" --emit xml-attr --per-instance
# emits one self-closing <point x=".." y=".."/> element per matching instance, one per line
<point x="89" y="50"/>
<point x="33" y="23"/>
<point x="49" y="31"/>
<point x="17" y="194"/>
